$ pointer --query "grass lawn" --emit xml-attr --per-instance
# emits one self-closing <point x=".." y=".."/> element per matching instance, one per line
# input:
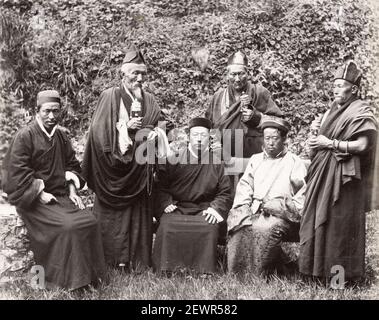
<point x="147" y="285"/>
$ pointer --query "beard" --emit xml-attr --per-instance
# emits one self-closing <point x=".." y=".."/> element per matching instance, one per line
<point x="134" y="88"/>
<point x="137" y="92"/>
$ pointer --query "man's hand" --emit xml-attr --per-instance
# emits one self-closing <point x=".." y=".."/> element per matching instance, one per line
<point x="134" y="123"/>
<point x="245" y="100"/>
<point x="77" y="201"/>
<point x="171" y="208"/>
<point x="75" y="198"/>
<point x="47" y="198"/>
<point x="215" y="145"/>
<point x="320" y="142"/>
<point x="211" y="216"/>
<point x="230" y="162"/>
<point x="152" y="135"/>
<point x="246" y="114"/>
<point x="316" y="124"/>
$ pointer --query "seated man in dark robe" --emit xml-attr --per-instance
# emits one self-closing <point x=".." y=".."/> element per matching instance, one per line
<point x="40" y="176"/>
<point x="194" y="198"/>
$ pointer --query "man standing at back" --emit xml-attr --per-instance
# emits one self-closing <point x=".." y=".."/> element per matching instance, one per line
<point x="240" y="106"/>
<point x="113" y="168"/>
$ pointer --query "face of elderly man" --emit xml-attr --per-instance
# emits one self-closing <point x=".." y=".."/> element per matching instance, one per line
<point x="237" y="76"/>
<point x="49" y="113"/>
<point x="199" y="138"/>
<point x="133" y="77"/>
<point x="343" y="90"/>
<point x="273" y="141"/>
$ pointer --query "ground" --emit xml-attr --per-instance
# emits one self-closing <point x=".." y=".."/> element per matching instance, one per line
<point x="147" y="285"/>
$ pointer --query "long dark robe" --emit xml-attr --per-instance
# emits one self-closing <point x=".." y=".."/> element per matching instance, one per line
<point x="66" y="241"/>
<point x="232" y="118"/>
<point x="184" y="238"/>
<point x="121" y="184"/>
<point x="332" y="228"/>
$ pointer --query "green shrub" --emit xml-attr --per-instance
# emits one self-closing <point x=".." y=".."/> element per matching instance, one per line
<point x="77" y="47"/>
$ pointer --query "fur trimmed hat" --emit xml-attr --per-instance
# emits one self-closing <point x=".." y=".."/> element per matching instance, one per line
<point x="275" y="122"/>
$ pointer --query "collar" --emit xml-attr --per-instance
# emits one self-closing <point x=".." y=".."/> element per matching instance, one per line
<point x="281" y="154"/>
<point x="49" y="135"/>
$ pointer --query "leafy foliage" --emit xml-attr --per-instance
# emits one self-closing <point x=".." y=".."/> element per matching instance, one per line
<point x="77" y="47"/>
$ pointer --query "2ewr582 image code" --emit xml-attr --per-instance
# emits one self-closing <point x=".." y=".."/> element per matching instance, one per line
<point x="207" y="309"/>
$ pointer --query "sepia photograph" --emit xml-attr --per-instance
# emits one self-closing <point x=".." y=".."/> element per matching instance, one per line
<point x="163" y="151"/>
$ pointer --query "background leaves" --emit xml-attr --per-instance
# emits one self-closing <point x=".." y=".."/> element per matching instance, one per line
<point x="77" y="47"/>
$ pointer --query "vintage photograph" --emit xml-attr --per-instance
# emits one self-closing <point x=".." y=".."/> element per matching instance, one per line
<point x="211" y="150"/>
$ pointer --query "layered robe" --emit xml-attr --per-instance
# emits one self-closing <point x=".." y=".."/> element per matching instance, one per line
<point x="184" y="239"/>
<point x="225" y="113"/>
<point x="65" y="240"/>
<point x="266" y="211"/>
<point x="122" y="182"/>
<point x="338" y="195"/>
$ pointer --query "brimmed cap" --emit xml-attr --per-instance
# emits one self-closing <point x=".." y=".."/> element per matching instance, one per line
<point x="275" y="122"/>
<point x="47" y="96"/>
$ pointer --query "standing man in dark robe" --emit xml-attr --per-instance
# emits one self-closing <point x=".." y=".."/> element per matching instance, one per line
<point x="41" y="175"/>
<point x="115" y="169"/>
<point x="332" y="232"/>
<point x="240" y="106"/>
<point x="194" y="199"/>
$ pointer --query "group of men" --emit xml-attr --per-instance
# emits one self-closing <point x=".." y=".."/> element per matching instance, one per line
<point x="188" y="192"/>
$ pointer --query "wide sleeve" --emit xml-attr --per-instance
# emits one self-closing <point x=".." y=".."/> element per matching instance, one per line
<point x="19" y="180"/>
<point x="254" y="120"/>
<point x="165" y="122"/>
<point x="163" y="196"/>
<point x="264" y="102"/>
<point x="245" y="187"/>
<point x="298" y="184"/>
<point x="72" y="165"/>
<point x="209" y="112"/>
<point x="223" y="199"/>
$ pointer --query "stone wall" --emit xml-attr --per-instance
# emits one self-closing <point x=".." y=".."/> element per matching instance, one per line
<point x="15" y="256"/>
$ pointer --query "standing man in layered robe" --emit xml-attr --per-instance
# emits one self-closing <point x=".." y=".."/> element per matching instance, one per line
<point x="240" y="106"/>
<point x="193" y="200"/>
<point x="267" y="204"/>
<point x="339" y="183"/>
<point x="41" y="176"/>
<point x="116" y="169"/>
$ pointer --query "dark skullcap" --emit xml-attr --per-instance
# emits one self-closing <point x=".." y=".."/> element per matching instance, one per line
<point x="200" y="122"/>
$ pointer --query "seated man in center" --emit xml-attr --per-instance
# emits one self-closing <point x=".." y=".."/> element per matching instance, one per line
<point x="193" y="201"/>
